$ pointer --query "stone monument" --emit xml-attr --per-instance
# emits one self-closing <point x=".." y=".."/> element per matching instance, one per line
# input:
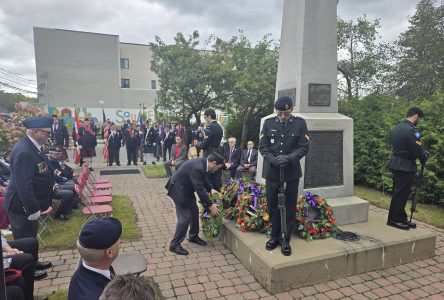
<point x="307" y="72"/>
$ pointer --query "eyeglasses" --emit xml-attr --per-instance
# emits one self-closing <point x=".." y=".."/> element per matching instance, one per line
<point x="47" y="132"/>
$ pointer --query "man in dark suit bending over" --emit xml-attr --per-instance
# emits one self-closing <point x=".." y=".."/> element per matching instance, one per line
<point x="190" y="178"/>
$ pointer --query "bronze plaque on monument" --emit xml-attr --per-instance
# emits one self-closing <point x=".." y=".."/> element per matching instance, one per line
<point x="289" y="93"/>
<point x="323" y="162"/>
<point x="319" y="94"/>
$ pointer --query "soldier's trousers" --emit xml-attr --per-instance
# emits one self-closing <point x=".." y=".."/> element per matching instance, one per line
<point x="131" y="155"/>
<point x="186" y="217"/>
<point x="402" y="185"/>
<point x="113" y="155"/>
<point x="273" y="209"/>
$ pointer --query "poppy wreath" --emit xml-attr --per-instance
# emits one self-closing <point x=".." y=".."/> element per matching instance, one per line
<point x="212" y="225"/>
<point x="315" y="218"/>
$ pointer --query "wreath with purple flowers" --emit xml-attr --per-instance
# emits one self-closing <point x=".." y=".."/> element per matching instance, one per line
<point x="315" y="218"/>
<point x="212" y="225"/>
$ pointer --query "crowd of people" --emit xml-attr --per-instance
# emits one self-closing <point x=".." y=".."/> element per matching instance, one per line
<point x="31" y="178"/>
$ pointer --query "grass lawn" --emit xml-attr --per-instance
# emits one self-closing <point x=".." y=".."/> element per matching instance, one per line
<point x="65" y="234"/>
<point x="430" y="214"/>
<point x="59" y="295"/>
<point x="154" y="171"/>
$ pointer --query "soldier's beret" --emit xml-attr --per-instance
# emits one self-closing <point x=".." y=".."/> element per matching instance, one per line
<point x="283" y="103"/>
<point x="38" y="122"/>
<point x="100" y="233"/>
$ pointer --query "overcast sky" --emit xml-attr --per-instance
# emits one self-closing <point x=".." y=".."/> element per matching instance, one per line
<point x="138" y="21"/>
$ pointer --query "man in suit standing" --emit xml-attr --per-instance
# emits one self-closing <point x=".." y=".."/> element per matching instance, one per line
<point x="114" y="144"/>
<point x="190" y="178"/>
<point x="98" y="245"/>
<point x="179" y="156"/>
<point x="248" y="161"/>
<point x="232" y="156"/>
<point x="60" y="136"/>
<point x="30" y="188"/>
<point x="168" y="142"/>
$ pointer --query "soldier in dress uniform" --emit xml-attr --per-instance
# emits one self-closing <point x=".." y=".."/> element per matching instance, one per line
<point x="283" y="142"/>
<point x="406" y="143"/>
<point x="132" y="141"/>
<point x="114" y="144"/>
<point x="213" y="136"/>
<point x="87" y="142"/>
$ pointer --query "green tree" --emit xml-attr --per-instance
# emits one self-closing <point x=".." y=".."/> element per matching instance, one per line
<point x="251" y="80"/>
<point x="190" y="80"/>
<point x="8" y="101"/>
<point x="420" y="71"/>
<point x="362" y="56"/>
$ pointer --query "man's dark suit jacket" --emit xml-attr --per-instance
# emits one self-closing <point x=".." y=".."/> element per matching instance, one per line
<point x="31" y="182"/>
<point x="169" y="140"/>
<point x="115" y="142"/>
<point x="253" y="157"/>
<point x="60" y="136"/>
<point x="235" y="157"/>
<point x="190" y="178"/>
<point x="86" y="284"/>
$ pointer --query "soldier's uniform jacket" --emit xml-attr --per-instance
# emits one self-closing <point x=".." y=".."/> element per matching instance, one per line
<point x="213" y="136"/>
<point x="114" y="141"/>
<point x="132" y="138"/>
<point x="406" y="147"/>
<point x="292" y="140"/>
<point x="87" y="140"/>
<point x="32" y="180"/>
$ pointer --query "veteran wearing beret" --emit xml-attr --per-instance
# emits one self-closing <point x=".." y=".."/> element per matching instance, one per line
<point x="98" y="245"/>
<point x="283" y="142"/>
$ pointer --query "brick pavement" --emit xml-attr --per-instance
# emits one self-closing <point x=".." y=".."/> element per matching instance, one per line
<point x="212" y="272"/>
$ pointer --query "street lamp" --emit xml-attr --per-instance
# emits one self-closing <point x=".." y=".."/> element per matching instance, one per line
<point x="101" y="102"/>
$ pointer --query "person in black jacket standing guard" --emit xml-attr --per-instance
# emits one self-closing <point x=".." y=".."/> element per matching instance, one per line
<point x="406" y="143"/>
<point x="87" y="142"/>
<point x="283" y="142"/>
<point x="213" y="136"/>
<point x="114" y="144"/>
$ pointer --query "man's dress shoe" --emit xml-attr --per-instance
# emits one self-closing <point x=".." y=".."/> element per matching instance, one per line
<point x="410" y="224"/>
<point x="197" y="240"/>
<point x="398" y="225"/>
<point x="178" y="250"/>
<point x="40" y="274"/>
<point x="42" y="265"/>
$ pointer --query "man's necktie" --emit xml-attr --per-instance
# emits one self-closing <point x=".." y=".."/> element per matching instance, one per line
<point x="231" y="153"/>
<point x="248" y="156"/>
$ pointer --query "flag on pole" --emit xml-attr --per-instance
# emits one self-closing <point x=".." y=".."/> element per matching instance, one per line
<point x="103" y="114"/>
<point x="77" y="127"/>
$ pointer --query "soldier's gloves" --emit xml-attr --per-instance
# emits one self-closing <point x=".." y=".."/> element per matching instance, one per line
<point x="281" y="160"/>
<point x="34" y="217"/>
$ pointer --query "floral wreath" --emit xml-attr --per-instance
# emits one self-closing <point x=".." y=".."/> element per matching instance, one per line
<point x="315" y="227"/>
<point x="212" y="225"/>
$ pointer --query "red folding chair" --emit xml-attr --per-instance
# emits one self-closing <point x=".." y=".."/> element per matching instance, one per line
<point x="91" y="211"/>
<point x="85" y="167"/>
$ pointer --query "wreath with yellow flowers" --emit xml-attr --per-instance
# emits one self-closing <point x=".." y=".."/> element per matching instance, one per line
<point x="315" y="218"/>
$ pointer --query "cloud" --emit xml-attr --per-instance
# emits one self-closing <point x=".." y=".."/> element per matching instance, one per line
<point x="139" y="21"/>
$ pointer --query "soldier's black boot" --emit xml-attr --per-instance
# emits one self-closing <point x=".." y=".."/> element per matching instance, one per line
<point x="286" y="248"/>
<point x="272" y="244"/>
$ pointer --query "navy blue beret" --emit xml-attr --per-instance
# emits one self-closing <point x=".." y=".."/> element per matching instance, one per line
<point x="283" y="103"/>
<point x="38" y="122"/>
<point x="100" y="233"/>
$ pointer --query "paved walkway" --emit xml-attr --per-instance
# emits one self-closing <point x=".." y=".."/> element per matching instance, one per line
<point x="212" y="272"/>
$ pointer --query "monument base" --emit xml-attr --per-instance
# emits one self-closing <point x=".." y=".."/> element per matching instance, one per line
<point x="322" y="260"/>
<point x="349" y="210"/>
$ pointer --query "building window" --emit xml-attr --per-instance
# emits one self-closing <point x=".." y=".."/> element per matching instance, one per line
<point x="125" y="83"/>
<point x="124" y="63"/>
<point x="153" y="84"/>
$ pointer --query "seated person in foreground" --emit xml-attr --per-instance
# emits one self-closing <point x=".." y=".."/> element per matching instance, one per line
<point x="22" y="255"/>
<point x="232" y="156"/>
<point x="178" y="156"/>
<point x="128" y="287"/>
<point x="248" y="161"/>
<point x="98" y="246"/>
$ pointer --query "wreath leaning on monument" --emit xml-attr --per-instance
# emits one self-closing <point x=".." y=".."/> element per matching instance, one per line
<point x="315" y="218"/>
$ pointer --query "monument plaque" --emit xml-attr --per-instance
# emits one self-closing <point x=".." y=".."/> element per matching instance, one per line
<point x="319" y="94"/>
<point x="289" y="93"/>
<point x="323" y="162"/>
